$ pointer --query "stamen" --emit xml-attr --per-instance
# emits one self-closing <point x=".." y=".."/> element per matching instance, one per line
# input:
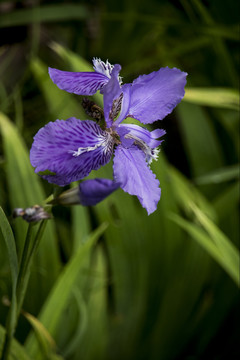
<point x="116" y="107"/>
<point x="148" y="151"/>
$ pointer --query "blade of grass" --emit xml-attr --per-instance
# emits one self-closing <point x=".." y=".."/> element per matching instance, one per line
<point x="216" y="97"/>
<point x="220" y="249"/>
<point x="47" y="13"/>
<point x="24" y="191"/>
<point x="17" y="351"/>
<point x="58" y="298"/>
<point x="219" y="175"/>
<point x="13" y="262"/>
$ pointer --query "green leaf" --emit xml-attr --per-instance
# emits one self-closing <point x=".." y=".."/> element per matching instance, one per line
<point x="219" y="175"/>
<point x="216" y="97"/>
<point x="46" y="342"/>
<point x="13" y="262"/>
<point x="25" y="190"/>
<point x="17" y="351"/>
<point x="81" y="326"/>
<point x="59" y="296"/>
<point x="199" y="139"/>
<point x="11" y="247"/>
<point x="43" y="14"/>
<point x="213" y="241"/>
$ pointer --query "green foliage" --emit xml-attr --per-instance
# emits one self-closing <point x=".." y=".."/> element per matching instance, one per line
<point x="141" y="287"/>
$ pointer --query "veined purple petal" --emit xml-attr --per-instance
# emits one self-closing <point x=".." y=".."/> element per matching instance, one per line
<point x="93" y="191"/>
<point x="155" y="95"/>
<point x="136" y="178"/>
<point x="80" y="83"/>
<point x="71" y="149"/>
<point x="111" y="92"/>
<point x="149" y="137"/>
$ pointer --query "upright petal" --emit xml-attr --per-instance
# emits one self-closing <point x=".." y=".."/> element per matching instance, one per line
<point x="111" y="92"/>
<point x="136" y="178"/>
<point x="126" y="100"/>
<point x="80" y="83"/>
<point x="70" y="150"/>
<point x="155" y="95"/>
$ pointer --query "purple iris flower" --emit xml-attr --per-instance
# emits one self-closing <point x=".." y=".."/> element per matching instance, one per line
<point x="71" y="149"/>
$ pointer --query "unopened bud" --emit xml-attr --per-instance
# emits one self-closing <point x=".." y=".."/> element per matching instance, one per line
<point x="87" y="193"/>
<point x="31" y="214"/>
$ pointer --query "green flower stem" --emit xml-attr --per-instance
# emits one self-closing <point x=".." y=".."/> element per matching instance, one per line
<point x="22" y="281"/>
<point x="14" y="306"/>
<point x="10" y="328"/>
<point x="30" y="248"/>
<point x="26" y="263"/>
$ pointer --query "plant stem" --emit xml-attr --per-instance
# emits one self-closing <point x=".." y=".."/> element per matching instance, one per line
<point x="13" y="311"/>
<point x="30" y="248"/>
<point x="21" y="282"/>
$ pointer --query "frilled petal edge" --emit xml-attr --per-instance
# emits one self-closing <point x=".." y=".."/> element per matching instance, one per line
<point x="135" y="176"/>
<point x="155" y="95"/>
<point x="70" y="150"/>
<point x="80" y="83"/>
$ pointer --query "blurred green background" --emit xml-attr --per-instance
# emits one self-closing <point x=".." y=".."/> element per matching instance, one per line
<point x="143" y="287"/>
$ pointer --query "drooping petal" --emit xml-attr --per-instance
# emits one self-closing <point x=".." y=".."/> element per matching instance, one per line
<point x="149" y="137"/>
<point x="70" y="149"/>
<point x="111" y="92"/>
<point x="80" y="83"/>
<point x="93" y="191"/>
<point x="136" y="178"/>
<point x="155" y="95"/>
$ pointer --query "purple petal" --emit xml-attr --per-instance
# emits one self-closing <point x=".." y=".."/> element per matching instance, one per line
<point x="136" y="178"/>
<point x="149" y="137"/>
<point x="126" y="90"/>
<point x="111" y="92"/>
<point x="80" y="83"/>
<point x="93" y="191"/>
<point x="155" y="95"/>
<point x="70" y="149"/>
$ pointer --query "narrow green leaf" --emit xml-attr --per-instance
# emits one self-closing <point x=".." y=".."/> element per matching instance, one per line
<point x="11" y="247"/>
<point x="200" y="139"/>
<point x="59" y="296"/>
<point x="216" y="97"/>
<point x="43" y="14"/>
<point x="17" y="351"/>
<point x="25" y="190"/>
<point x="219" y="175"/>
<point x="214" y="242"/>
<point x="82" y="324"/>
<point x="227" y="201"/>
<point x="46" y="342"/>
